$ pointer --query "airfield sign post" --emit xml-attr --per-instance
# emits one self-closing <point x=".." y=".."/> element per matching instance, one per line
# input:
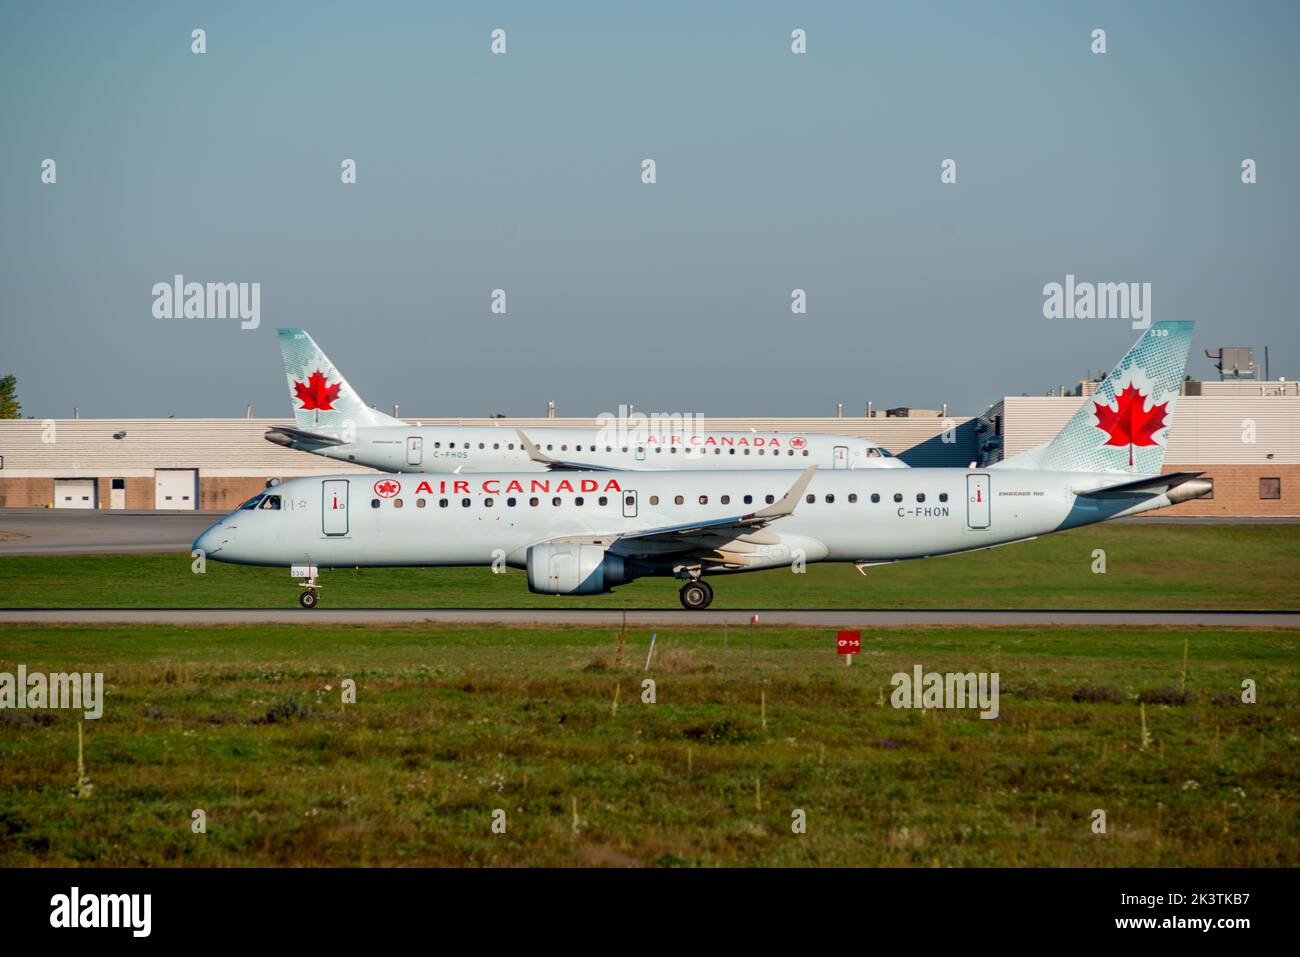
<point x="848" y="644"/>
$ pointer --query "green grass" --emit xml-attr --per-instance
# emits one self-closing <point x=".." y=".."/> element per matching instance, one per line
<point x="453" y="722"/>
<point x="1147" y="567"/>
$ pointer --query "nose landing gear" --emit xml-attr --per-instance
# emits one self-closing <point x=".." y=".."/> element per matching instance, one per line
<point x="309" y="598"/>
<point x="696" y="595"/>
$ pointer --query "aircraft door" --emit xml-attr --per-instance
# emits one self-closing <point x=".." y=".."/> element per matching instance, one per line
<point x="841" y="459"/>
<point x="414" y="450"/>
<point x="334" y="507"/>
<point x="629" y="503"/>
<point x="640" y="453"/>
<point x="977" y="501"/>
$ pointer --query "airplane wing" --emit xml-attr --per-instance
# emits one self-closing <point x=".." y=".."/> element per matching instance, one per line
<point x="719" y="540"/>
<point x="552" y="463"/>
<point x="286" y="435"/>
<point x="1155" y="484"/>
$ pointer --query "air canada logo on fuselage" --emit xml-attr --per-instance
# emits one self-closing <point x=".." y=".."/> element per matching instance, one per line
<point x="387" y="488"/>
<point x="493" y="486"/>
<point x="798" y="442"/>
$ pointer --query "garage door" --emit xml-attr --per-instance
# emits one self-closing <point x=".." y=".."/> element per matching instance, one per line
<point x="176" y="488"/>
<point x="74" y="493"/>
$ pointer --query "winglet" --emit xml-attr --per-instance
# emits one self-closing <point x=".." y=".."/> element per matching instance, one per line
<point x="785" y="505"/>
<point x="534" y="453"/>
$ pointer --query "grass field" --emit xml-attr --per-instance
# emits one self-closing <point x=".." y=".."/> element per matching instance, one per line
<point x="1147" y="567"/>
<point x="450" y="723"/>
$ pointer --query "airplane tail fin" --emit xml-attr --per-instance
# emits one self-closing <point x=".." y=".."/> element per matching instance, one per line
<point x="323" y="401"/>
<point x="1124" y="425"/>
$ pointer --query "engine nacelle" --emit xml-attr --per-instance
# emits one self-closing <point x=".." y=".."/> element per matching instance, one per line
<point x="572" y="569"/>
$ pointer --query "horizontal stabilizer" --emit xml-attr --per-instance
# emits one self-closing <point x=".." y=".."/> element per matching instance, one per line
<point x="1156" y="484"/>
<point x="288" y="437"/>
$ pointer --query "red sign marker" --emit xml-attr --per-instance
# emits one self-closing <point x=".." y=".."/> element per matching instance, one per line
<point x="848" y="642"/>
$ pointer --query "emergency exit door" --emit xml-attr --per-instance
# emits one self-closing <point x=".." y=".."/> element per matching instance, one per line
<point x="334" y="507"/>
<point x="629" y="503"/>
<point x="977" y="501"/>
<point x="414" y="450"/>
<point x="841" y="460"/>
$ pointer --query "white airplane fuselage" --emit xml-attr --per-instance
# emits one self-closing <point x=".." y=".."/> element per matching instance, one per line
<point x="464" y="448"/>
<point x="846" y="516"/>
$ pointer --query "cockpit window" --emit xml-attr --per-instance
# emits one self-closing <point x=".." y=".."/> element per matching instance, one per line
<point x="271" y="503"/>
<point x="873" y="453"/>
<point x="252" y="502"/>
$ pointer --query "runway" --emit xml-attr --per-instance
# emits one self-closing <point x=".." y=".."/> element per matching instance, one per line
<point x="55" y="531"/>
<point x="846" y="618"/>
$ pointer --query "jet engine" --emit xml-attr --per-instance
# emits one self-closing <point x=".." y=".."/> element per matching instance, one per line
<point x="572" y="569"/>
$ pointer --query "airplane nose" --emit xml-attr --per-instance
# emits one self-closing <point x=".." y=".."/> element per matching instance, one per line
<point x="210" y="542"/>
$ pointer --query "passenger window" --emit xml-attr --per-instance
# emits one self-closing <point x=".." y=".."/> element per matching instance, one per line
<point x="898" y="496"/>
<point x="654" y="500"/>
<point x="437" y="445"/>
<point x="731" y="451"/>
<point x="532" y="502"/>
<point x="726" y="500"/>
<point x="658" y="449"/>
<point x="374" y="503"/>
<point x="920" y="496"/>
<point x="578" y="501"/>
<point x="631" y="500"/>
<point x="749" y="500"/>
<point x="487" y="503"/>
<point x="678" y="500"/>
<point x="810" y="498"/>
<point x="943" y="496"/>
<point x="603" y="500"/>
<point x="420" y="503"/>
<point x="853" y="497"/>
<point x="805" y="451"/>
<point x="442" y="503"/>
<point x="511" y="502"/>
<point x="704" y="500"/>
<point x="830" y="499"/>
<point x="746" y="451"/>
<point x="673" y="450"/>
<point x="464" y="503"/>
<point x="875" y="496"/>
<point x="556" y="501"/>
<point x="565" y="448"/>
<point x="496" y="445"/>
<point x="397" y="503"/>
<point x="769" y="499"/>
<point x="466" y="444"/>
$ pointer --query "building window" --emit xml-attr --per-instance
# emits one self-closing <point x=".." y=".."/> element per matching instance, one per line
<point x="1270" y="488"/>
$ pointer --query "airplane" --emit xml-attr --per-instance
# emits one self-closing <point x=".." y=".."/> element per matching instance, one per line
<point x="587" y="533"/>
<point x="332" y="421"/>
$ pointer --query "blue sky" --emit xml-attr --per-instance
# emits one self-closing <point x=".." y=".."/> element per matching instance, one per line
<point x="522" y="172"/>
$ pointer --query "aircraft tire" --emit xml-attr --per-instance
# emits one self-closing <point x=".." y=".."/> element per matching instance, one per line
<point x="308" y="599"/>
<point x="696" y="595"/>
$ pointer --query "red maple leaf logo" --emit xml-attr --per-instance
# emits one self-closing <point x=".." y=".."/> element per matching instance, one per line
<point x="1127" y="424"/>
<point x="316" y="393"/>
<point x="387" y="488"/>
<point x="798" y="442"/>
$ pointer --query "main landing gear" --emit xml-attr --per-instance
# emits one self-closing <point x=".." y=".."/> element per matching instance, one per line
<point x="309" y="598"/>
<point x="696" y="595"/>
